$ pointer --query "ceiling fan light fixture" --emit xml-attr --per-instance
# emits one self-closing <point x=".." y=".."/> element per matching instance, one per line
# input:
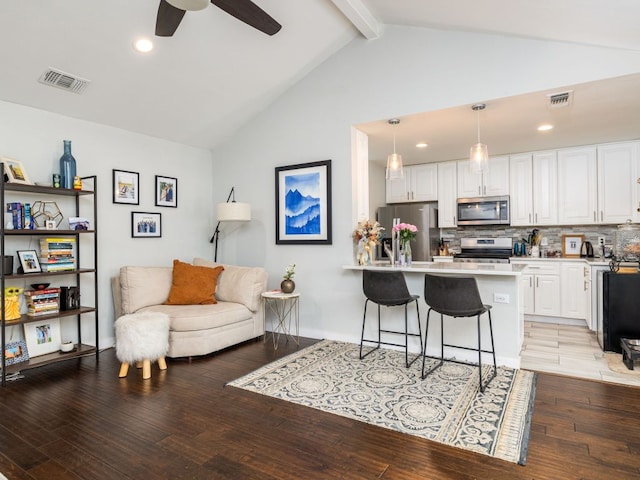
<point x="478" y="153"/>
<point x="143" y="45"/>
<point x="189" y="5"/>
<point x="394" y="161"/>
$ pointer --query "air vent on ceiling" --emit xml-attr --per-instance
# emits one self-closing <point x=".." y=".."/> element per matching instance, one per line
<point x="63" y="80"/>
<point x="561" y="99"/>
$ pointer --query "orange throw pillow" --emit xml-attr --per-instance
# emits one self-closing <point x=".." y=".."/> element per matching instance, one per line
<point x="193" y="285"/>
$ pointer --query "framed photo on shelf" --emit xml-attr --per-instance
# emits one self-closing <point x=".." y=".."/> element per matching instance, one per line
<point x="15" y="352"/>
<point x="146" y="225"/>
<point x="42" y="337"/>
<point x="166" y="191"/>
<point x="303" y="204"/>
<point x="125" y="187"/>
<point x="571" y="245"/>
<point x="29" y="261"/>
<point x="14" y="171"/>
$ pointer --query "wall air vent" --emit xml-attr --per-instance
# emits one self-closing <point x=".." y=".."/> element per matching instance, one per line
<point x="561" y="99"/>
<point x="63" y="80"/>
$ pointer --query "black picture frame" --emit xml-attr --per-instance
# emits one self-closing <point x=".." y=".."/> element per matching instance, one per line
<point x="303" y="204"/>
<point x="146" y="225"/>
<point x="166" y="191"/>
<point x="29" y="262"/>
<point x="126" y="187"/>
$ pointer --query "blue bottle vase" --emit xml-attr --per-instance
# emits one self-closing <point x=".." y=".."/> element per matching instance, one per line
<point x="67" y="166"/>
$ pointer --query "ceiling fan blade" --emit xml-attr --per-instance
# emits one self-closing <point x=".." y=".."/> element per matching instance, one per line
<point x="169" y="17"/>
<point x="249" y="13"/>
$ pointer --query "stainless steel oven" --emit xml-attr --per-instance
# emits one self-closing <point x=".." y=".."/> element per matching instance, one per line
<point x="484" y="250"/>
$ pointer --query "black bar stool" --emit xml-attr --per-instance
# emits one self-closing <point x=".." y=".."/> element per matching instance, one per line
<point x="388" y="288"/>
<point x="456" y="297"/>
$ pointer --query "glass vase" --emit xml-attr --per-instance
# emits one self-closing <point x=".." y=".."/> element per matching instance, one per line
<point x="67" y="166"/>
<point x="406" y="253"/>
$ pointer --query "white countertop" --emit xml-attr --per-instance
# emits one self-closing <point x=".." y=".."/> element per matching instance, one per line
<point x="590" y="261"/>
<point x="456" y="268"/>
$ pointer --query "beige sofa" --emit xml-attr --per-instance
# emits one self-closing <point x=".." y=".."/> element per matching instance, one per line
<point x="197" y="329"/>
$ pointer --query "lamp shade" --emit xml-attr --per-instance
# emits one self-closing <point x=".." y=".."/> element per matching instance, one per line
<point x="190" y="5"/>
<point x="233" y="212"/>
<point x="394" y="166"/>
<point x="479" y="158"/>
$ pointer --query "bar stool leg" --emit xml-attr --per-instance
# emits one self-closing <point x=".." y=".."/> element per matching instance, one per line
<point x="480" y="356"/>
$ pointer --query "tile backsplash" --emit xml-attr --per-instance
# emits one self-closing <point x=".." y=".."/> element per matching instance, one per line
<point x="552" y="234"/>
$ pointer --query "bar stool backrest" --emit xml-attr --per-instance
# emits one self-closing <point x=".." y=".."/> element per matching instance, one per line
<point x="385" y="288"/>
<point x="453" y="296"/>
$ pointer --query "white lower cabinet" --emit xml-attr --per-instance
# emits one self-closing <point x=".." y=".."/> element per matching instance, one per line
<point x="555" y="288"/>
<point x="540" y="285"/>
<point x="575" y="290"/>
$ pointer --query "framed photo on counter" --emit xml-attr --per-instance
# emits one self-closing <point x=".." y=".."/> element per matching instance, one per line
<point x="571" y="245"/>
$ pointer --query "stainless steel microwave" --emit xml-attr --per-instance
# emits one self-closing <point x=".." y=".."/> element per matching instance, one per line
<point x="483" y="211"/>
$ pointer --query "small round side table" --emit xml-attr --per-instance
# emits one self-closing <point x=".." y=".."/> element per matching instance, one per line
<point x="285" y="307"/>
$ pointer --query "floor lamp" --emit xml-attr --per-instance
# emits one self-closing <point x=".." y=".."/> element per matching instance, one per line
<point x="231" y="211"/>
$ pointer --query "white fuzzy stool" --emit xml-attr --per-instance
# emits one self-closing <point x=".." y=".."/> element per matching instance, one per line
<point x="142" y="337"/>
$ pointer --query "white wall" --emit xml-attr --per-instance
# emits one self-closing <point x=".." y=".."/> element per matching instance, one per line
<point x="35" y="137"/>
<point x="406" y="71"/>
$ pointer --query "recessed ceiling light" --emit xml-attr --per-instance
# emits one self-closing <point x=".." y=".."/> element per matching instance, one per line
<point x="422" y="145"/>
<point x="143" y="45"/>
<point x="545" y="127"/>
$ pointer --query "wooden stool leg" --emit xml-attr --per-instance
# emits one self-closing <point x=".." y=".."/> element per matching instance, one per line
<point x="124" y="369"/>
<point x="162" y="363"/>
<point x="138" y="364"/>
<point x="146" y="368"/>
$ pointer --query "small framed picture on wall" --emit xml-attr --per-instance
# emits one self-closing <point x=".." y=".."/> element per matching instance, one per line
<point x="146" y="225"/>
<point x="166" y="191"/>
<point x="125" y="187"/>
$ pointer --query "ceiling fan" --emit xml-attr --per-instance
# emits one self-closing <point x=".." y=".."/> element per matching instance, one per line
<point x="170" y="13"/>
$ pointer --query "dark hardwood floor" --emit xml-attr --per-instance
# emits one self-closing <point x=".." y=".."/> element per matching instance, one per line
<point x="77" y="420"/>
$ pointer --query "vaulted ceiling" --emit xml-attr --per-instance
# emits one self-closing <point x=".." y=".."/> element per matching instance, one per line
<point x="200" y="85"/>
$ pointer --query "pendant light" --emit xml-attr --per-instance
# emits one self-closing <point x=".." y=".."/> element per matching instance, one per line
<point x="479" y="153"/>
<point x="394" y="161"/>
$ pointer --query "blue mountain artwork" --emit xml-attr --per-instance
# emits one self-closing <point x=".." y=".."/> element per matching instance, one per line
<point x="302" y="214"/>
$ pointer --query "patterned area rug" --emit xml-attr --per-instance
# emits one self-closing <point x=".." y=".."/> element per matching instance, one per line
<point x="446" y="407"/>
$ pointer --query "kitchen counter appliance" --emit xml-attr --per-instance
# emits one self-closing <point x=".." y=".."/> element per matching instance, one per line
<point x="484" y="250"/>
<point x="621" y="310"/>
<point x="483" y="211"/>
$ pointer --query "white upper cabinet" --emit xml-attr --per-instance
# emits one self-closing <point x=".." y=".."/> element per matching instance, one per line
<point x="617" y="186"/>
<point x="577" y="187"/>
<point x="495" y="181"/>
<point x="447" y="194"/>
<point x="521" y="188"/>
<point x="420" y="184"/>
<point x="545" y="188"/>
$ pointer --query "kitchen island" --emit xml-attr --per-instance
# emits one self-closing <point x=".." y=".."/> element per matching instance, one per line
<point x="499" y="286"/>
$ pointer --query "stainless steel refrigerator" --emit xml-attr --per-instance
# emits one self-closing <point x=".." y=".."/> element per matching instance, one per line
<point x="422" y="215"/>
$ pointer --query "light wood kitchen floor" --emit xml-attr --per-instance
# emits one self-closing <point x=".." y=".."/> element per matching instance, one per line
<point x="570" y="350"/>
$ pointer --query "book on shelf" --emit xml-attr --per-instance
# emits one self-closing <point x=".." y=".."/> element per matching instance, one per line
<point x="21" y="215"/>
<point x="58" y="267"/>
<point x="42" y="292"/>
